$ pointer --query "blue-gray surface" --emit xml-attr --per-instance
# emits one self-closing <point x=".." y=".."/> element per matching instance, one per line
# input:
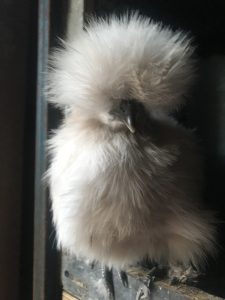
<point x="84" y="282"/>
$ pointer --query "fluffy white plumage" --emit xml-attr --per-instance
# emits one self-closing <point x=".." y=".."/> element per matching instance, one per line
<point x="119" y="196"/>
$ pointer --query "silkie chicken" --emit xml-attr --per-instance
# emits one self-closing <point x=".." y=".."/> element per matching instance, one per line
<point x="125" y="178"/>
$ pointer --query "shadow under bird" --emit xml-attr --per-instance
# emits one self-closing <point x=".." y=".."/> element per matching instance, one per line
<point x="125" y="178"/>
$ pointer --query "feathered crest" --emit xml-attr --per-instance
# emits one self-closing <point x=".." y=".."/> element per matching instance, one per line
<point x="117" y="57"/>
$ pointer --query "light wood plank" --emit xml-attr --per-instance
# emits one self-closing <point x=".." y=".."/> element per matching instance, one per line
<point x="67" y="296"/>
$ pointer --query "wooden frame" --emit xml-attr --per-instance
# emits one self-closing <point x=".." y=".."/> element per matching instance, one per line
<point x="46" y="258"/>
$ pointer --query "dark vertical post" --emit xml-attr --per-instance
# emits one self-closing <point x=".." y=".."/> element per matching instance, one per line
<point x="40" y="206"/>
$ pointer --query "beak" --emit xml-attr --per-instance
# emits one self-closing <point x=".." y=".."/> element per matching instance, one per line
<point x="126" y="114"/>
<point x="129" y="122"/>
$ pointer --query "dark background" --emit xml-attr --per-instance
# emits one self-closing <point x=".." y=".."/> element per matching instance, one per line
<point x="205" y="20"/>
